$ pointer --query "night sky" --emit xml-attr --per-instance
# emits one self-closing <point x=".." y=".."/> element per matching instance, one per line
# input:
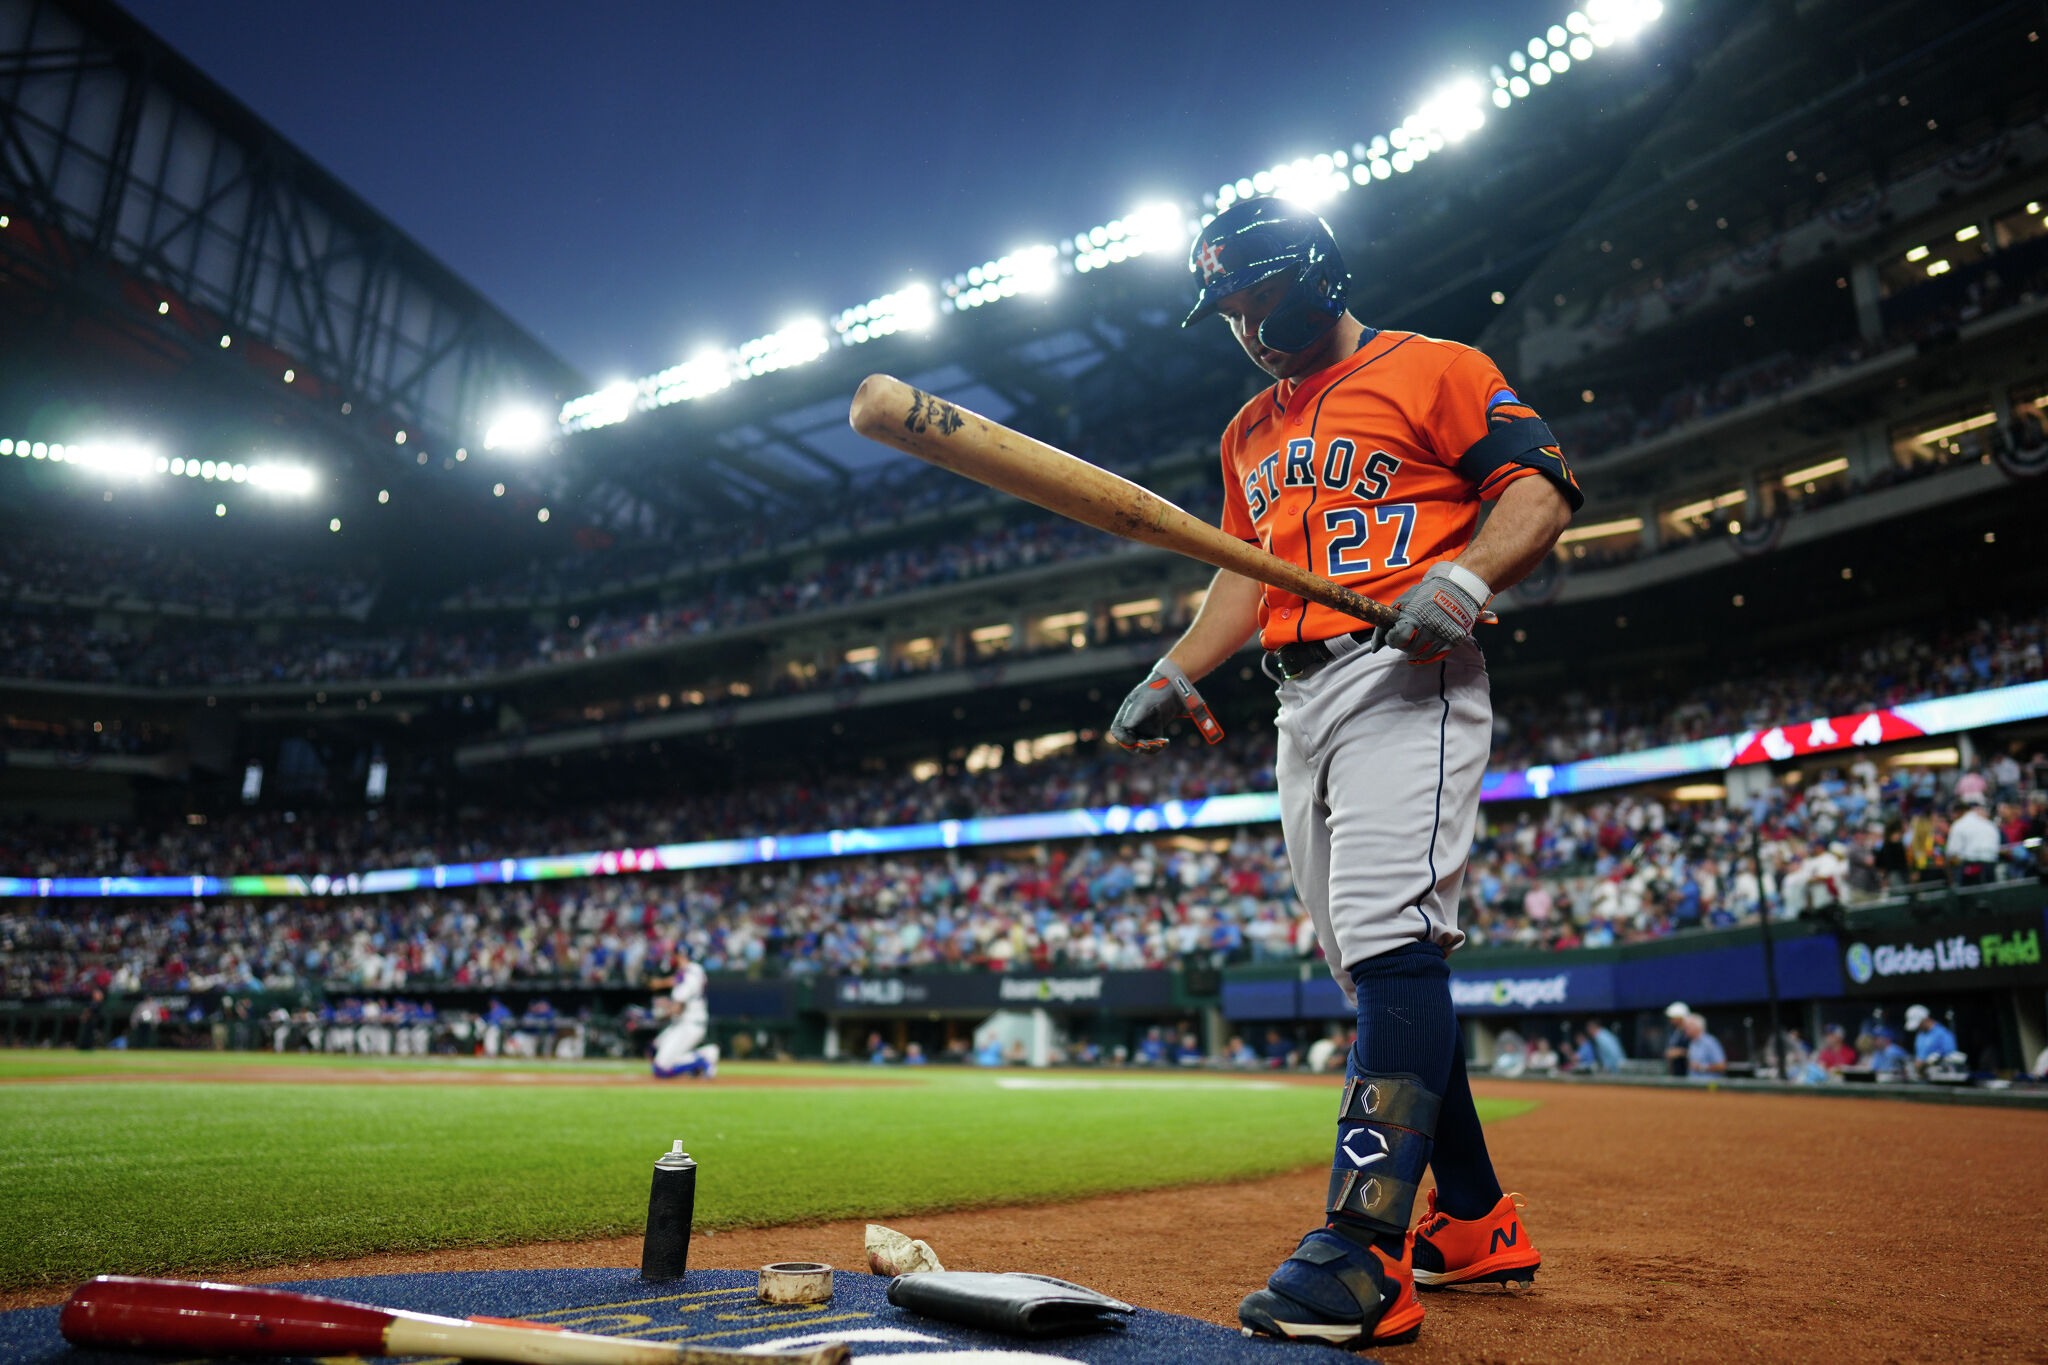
<point x="632" y="181"/>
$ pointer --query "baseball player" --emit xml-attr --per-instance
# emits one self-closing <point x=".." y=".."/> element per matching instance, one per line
<point x="680" y="1049"/>
<point x="1366" y="462"/>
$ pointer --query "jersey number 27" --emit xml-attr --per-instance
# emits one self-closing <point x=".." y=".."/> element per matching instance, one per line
<point x="1350" y="531"/>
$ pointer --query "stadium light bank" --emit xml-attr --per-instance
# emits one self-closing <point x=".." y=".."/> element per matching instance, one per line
<point x="1162" y="229"/>
<point x="135" y="461"/>
<point x="518" y="429"/>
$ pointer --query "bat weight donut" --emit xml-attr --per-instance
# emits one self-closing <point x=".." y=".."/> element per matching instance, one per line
<point x="797" y="1282"/>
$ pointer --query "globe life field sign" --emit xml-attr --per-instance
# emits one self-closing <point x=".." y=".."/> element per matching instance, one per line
<point x="1952" y="955"/>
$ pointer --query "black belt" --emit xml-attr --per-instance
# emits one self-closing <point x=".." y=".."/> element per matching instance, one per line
<point x="1292" y="663"/>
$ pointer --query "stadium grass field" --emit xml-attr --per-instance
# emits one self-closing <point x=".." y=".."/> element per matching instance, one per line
<point x="166" y="1162"/>
<point x="1644" y="1199"/>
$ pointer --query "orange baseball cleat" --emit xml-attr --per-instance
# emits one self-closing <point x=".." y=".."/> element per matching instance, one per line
<point x="1492" y="1250"/>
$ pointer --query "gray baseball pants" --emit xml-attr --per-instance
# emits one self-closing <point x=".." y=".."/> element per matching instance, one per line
<point x="1379" y="766"/>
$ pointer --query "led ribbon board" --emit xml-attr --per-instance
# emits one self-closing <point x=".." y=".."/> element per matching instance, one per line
<point x="195" y="888"/>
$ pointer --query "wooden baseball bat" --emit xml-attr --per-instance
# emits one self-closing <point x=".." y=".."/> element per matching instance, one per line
<point x="888" y="410"/>
<point x="117" y="1312"/>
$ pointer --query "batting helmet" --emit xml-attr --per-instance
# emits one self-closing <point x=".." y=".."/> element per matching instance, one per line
<point x="1256" y="239"/>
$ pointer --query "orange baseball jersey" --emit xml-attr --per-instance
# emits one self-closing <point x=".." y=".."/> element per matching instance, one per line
<point x="1372" y="470"/>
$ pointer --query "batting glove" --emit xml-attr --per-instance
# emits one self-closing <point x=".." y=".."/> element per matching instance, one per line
<point x="1141" y="722"/>
<point x="1436" y="615"/>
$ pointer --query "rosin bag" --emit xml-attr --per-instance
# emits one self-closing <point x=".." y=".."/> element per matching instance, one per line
<point x="1024" y="1305"/>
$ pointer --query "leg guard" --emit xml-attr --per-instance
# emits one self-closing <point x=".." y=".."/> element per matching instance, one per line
<point x="1384" y="1132"/>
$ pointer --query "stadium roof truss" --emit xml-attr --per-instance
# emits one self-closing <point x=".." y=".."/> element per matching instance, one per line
<point x="116" y="151"/>
<point x="782" y="444"/>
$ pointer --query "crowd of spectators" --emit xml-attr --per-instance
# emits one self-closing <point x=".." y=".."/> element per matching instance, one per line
<point x="1927" y="313"/>
<point x="1639" y="867"/>
<point x="2024" y="435"/>
<point x="147" y="571"/>
<point x="1885" y="670"/>
<point x="878" y="503"/>
<point x="1881" y="670"/>
<point x="1916" y="663"/>
<point x="1593" y="432"/>
<point x="63" y="645"/>
<point x="1861" y="675"/>
<point x="81" y="739"/>
<point x="1081" y="906"/>
<point x="843" y="581"/>
<point x="1587" y="875"/>
<point x="337" y="843"/>
<point x="51" y="641"/>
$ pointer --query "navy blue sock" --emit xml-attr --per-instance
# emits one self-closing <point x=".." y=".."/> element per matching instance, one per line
<point x="1466" y="1186"/>
<point x="1404" y="1015"/>
<point x="1405" y="1025"/>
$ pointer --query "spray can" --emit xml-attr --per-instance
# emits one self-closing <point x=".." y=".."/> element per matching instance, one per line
<point x="671" y="1203"/>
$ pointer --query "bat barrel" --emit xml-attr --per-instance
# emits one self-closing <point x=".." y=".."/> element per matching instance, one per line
<point x="123" y="1313"/>
<point x="870" y="401"/>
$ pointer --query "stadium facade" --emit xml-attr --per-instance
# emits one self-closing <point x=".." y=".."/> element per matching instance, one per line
<point x="1777" y="274"/>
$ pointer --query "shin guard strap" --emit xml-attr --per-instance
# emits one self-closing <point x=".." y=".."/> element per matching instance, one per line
<point x="1383" y="1200"/>
<point x="1329" y="1256"/>
<point x="1397" y="1100"/>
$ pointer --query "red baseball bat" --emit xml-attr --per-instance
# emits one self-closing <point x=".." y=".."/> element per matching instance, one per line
<point x="119" y="1312"/>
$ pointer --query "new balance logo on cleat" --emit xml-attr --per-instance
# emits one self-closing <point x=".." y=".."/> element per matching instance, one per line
<point x="1490" y="1250"/>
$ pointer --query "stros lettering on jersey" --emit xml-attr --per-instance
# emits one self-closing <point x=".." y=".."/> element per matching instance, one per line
<point x="1373" y="469"/>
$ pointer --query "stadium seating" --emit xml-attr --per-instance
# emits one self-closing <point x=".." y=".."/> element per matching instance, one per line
<point x="1588" y="875"/>
<point x="1882" y="669"/>
<point x="39" y="567"/>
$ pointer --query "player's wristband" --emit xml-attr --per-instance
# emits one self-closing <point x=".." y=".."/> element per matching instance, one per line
<point x="1473" y="585"/>
<point x="1190" y="700"/>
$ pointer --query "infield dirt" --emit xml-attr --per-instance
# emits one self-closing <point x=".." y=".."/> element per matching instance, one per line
<point x="1674" y="1225"/>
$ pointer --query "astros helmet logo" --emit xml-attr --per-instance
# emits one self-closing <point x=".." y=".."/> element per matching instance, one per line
<point x="1210" y="259"/>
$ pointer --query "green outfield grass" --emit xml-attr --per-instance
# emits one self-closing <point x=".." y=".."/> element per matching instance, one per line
<point x="116" y="1167"/>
